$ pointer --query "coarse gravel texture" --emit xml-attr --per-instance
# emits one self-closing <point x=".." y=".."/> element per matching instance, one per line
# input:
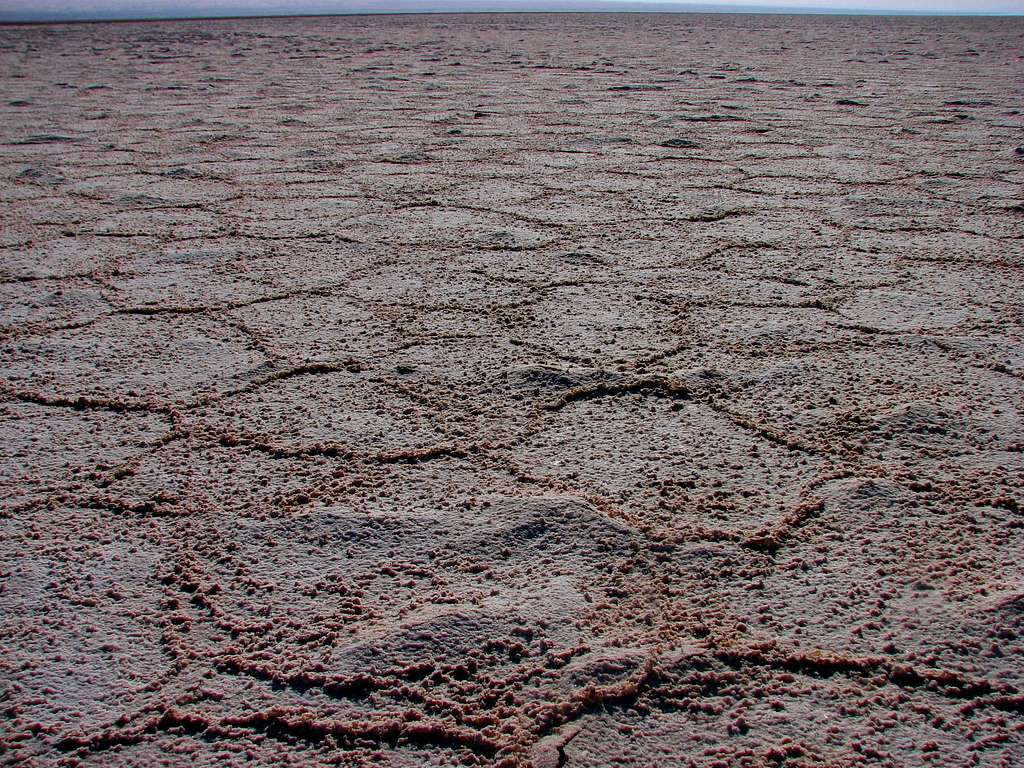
<point x="534" y="390"/>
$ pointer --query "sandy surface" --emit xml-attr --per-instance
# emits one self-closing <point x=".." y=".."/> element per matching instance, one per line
<point x="525" y="390"/>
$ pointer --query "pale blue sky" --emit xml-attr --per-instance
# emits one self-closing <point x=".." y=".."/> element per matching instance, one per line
<point x="105" y="9"/>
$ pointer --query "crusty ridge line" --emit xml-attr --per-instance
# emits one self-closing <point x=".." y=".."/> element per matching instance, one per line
<point x="288" y="724"/>
<point x="87" y="402"/>
<point x="658" y="385"/>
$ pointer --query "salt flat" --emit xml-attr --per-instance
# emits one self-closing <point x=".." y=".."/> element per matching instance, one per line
<point x="512" y="390"/>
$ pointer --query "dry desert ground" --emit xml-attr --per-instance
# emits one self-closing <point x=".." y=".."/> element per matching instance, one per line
<point x="526" y="390"/>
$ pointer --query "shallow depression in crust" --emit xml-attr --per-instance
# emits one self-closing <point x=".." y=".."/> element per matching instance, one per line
<point x="668" y="465"/>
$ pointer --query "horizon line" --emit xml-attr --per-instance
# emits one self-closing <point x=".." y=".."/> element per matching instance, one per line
<point x="680" y="9"/>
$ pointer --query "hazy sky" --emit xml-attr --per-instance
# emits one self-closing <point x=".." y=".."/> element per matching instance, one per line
<point x="106" y="9"/>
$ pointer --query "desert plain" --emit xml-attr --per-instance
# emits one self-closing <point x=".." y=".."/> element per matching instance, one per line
<point x="512" y="390"/>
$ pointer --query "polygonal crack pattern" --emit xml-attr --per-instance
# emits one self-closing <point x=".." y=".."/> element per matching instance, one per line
<point x="512" y="391"/>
